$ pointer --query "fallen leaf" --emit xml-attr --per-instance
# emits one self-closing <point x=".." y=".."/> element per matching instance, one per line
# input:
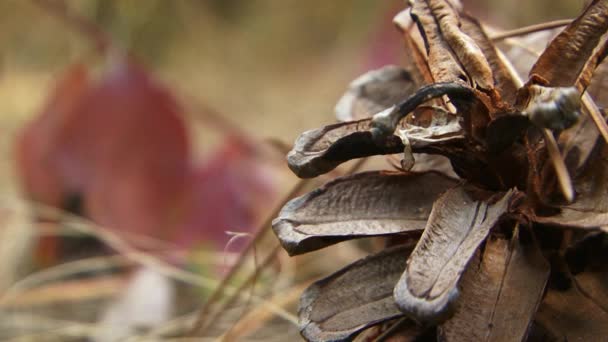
<point x="457" y="225"/>
<point x="365" y="204"/>
<point x="36" y="163"/>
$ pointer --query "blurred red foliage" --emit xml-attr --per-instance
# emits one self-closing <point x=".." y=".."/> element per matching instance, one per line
<point x="120" y="144"/>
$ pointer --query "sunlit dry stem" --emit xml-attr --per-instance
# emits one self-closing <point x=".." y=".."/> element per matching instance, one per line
<point x="596" y="115"/>
<point x="250" y="281"/>
<point x="204" y="313"/>
<point x="530" y="29"/>
<point x="563" y="177"/>
<point x="264" y="227"/>
<point x="554" y="109"/>
<point x="385" y="122"/>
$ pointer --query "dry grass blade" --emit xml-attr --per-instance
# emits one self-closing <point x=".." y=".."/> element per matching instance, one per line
<point x="590" y="210"/>
<point x="255" y="318"/>
<point x="63" y="271"/>
<point x="53" y="328"/>
<point x="521" y="31"/>
<point x="216" y="294"/>
<point x="148" y="260"/>
<point x="596" y="115"/>
<point x="249" y="281"/>
<point x="563" y="177"/>
<point x="204" y="312"/>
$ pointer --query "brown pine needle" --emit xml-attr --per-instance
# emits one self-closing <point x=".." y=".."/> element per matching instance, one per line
<point x="530" y="29"/>
<point x="563" y="177"/>
<point x="596" y="115"/>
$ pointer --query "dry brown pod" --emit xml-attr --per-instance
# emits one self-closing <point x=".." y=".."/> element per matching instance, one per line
<point x="499" y="257"/>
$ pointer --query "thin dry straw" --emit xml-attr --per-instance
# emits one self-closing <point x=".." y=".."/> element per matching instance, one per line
<point x="201" y="323"/>
<point x="530" y="29"/>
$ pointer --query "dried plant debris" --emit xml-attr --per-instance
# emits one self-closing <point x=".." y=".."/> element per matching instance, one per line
<point x="456" y="227"/>
<point x="580" y="48"/>
<point x="365" y="204"/>
<point x="491" y="307"/>
<point x="494" y="260"/>
<point x="360" y="295"/>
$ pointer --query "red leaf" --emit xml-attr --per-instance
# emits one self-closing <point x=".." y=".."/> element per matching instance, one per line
<point x="121" y="144"/>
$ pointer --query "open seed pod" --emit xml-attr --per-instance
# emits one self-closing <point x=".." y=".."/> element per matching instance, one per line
<point x="494" y="257"/>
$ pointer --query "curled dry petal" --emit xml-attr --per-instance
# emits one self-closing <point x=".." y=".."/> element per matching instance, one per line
<point x="456" y="227"/>
<point x="453" y="55"/>
<point x="442" y="63"/>
<point x="375" y="91"/>
<point x="365" y="204"/>
<point x="358" y="296"/>
<point x="501" y="290"/>
<point x="415" y="58"/>
<point x="318" y="151"/>
<point x="504" y="79"/>
<point x="321" y="150"/>
<point x="573" y="55"/>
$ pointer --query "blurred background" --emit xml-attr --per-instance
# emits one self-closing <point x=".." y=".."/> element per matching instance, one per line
<point x="246" y="78"/>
